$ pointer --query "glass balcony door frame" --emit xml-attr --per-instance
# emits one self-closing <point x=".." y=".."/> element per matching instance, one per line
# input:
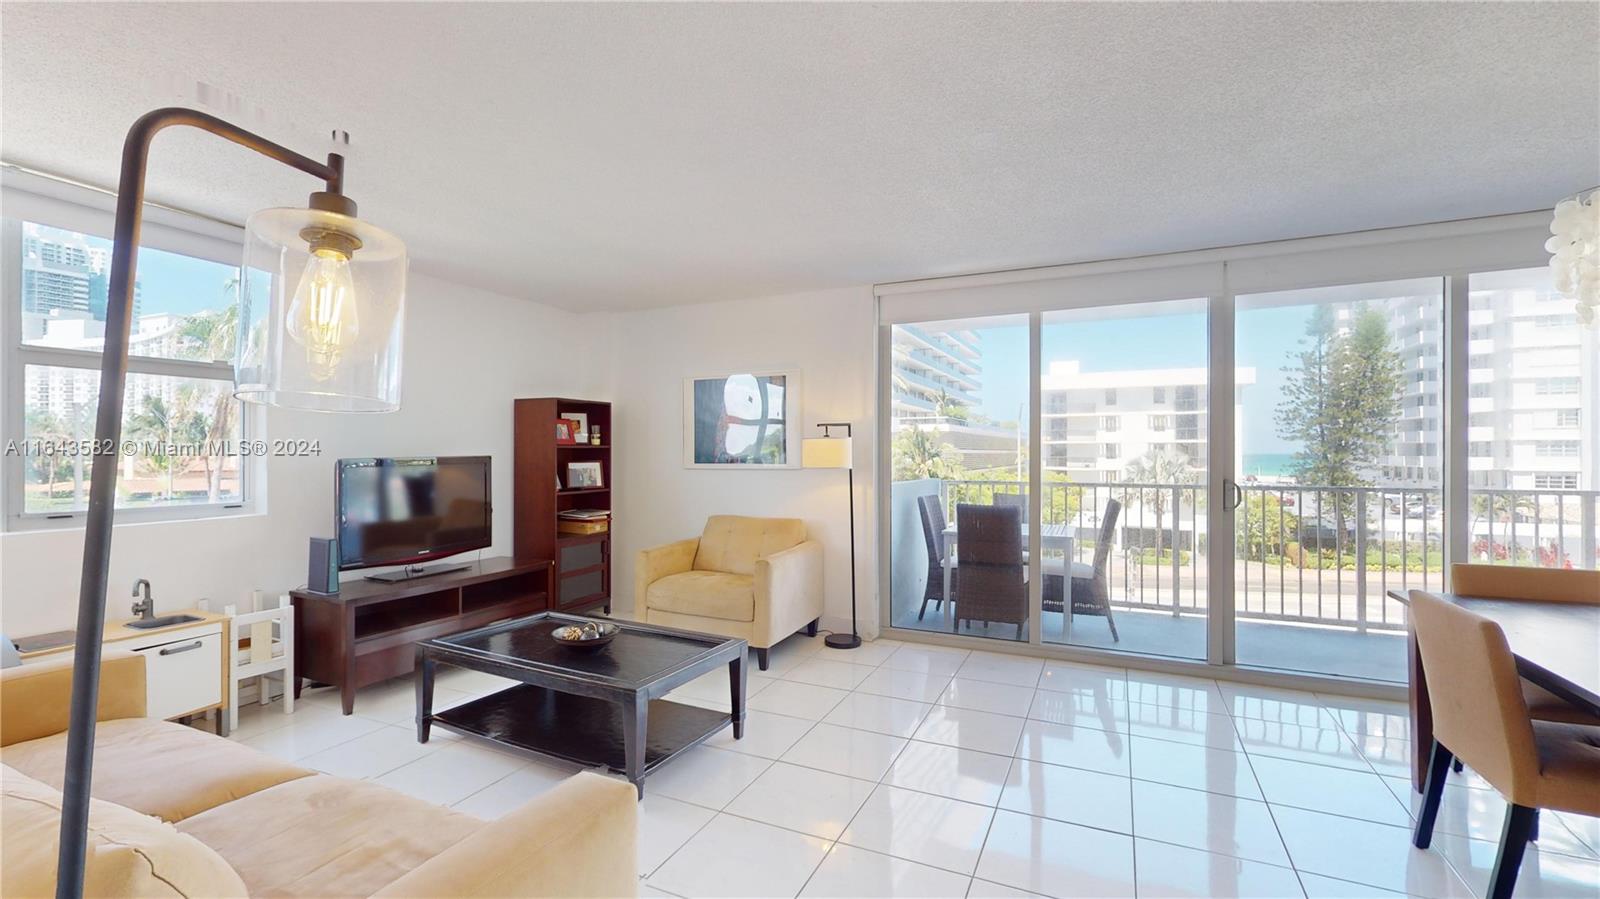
<point x="1449" y="250"/>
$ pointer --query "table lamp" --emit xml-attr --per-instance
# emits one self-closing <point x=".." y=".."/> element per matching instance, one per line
<point x="829" y="451"/>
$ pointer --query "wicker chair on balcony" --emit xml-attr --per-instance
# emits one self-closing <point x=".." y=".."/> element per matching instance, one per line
<point x="994" y="577"/>
<point x="933" y="524"/>
<point x="1020" y="500"/>
<point x="1090" y="584"/>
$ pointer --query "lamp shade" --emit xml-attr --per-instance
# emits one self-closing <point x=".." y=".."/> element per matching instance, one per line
<point x="825" y="452"/>
<point x="321" y="312"/>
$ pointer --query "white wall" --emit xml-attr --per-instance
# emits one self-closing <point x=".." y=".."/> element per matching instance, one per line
<point x="828" y="336"/>
<point x="468" y="354"/>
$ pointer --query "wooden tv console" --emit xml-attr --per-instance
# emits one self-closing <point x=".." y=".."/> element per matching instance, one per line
<point x="366" y="632"/>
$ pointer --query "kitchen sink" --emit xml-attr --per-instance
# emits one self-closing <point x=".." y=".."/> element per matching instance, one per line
<point x="163" y="621"/>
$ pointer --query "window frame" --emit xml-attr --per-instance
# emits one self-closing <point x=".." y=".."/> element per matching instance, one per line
<point x="15" y="357"/>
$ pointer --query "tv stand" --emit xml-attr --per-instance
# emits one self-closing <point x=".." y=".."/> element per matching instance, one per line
<point x="367" y="632"/>
<point x="412" y="572"/>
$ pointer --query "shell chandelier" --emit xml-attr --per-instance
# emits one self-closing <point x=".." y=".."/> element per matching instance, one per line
<point x="1575" y="253"/>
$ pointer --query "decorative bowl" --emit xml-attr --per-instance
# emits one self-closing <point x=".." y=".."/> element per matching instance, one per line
<point x="588" y="635"/>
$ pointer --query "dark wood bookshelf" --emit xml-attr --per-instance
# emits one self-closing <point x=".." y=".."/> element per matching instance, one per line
<point x="581" y="579"/>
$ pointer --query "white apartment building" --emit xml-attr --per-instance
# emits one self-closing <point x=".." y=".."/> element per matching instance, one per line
<point x="1534" y="407"/>
<point x="1533" y="422"/>
<point x="70" y="393"/>
<point x="1097" y="423"/>
<point x="931" y="365"/>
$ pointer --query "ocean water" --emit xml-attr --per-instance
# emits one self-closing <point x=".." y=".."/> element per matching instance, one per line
<point x="1267" y="464"/>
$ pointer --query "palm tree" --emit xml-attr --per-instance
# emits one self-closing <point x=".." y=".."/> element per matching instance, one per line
<point x="216" y="332"/>
<point x="1159" y="471"/>
<point x="946" y="406"/>
<point x="46" y="428"/>
<point x="920" y="454"/>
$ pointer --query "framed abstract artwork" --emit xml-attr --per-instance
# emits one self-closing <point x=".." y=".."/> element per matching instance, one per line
<point x="743" y="420"/>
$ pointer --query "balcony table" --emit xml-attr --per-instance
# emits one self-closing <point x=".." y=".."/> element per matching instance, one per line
<point x="1053" y="536"/>
<point x="1556" y="644"/>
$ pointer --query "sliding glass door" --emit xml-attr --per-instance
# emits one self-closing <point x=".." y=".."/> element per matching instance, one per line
<point x="1341" y="473"/>
<point x="958" y="393"/>
<point x="1245" y="476"/>
<point x="1125" y="453"/>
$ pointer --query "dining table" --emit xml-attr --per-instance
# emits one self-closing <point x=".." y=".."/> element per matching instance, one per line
<point x="1051" y="536"/>
<point x="1556" y="646"/>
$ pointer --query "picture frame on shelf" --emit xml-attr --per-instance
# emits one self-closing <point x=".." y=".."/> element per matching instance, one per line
<point x="566" y="434"/>
<point x="581" y="475"/>
<point x="580" y="425"/>
<point x="747" y="420"/>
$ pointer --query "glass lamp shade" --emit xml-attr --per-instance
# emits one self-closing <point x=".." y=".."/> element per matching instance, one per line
<point x="321" y="313"/>
<point x="825" y="452"/>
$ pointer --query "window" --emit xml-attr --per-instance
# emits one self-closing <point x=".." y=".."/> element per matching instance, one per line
<point x="1480" y="449"/>
<point x="1555" y="386"/>
<point x="181" y="425"/>
<point x="1110" y="422"/>
<point x="1555" y="321"/>
<point x="1158" y="422"/>
<point x="1111" y="396"/>
<point x="1567" y="418"/>
<point x="1556" y="448"/>
<point x="1555" y="482"/>
<point x="1158" y="394"/>
<point x="1113" y="450"/>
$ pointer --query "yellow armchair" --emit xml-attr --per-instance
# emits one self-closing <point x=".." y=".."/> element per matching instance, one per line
<point x="755" y="578"/>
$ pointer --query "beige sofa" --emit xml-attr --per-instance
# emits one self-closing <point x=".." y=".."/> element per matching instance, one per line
<point x="755" y="578"/>
<point x="179" y="812"/>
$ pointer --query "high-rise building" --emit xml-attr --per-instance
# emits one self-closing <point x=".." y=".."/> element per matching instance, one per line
<point x="931" y="367"/>
<point x="63" y="273"/>
<point x="1534" y="374"/>
<point x="935" y="382"/>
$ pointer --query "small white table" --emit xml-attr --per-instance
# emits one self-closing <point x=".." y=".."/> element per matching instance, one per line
<point x="1051" y="536"/>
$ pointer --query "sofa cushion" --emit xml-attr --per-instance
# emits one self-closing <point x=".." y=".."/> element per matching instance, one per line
<point x="129" y="854"/>
<point x="326" y="836"/>
<point x="709" y="594"/>
<point x="157" y="767"/>
<point x="733" y="543"/>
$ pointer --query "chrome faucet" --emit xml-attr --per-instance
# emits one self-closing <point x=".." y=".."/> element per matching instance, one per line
<point x="145" y="609"/>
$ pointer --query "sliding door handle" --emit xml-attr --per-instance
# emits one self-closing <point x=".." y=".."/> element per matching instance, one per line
<point x="1232" y="494"/>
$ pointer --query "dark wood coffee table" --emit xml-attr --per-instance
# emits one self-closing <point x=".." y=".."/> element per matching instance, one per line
<point x="585" y="707"/>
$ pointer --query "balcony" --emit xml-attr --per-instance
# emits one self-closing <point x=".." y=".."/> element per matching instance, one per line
<point x="1312" y="566"/>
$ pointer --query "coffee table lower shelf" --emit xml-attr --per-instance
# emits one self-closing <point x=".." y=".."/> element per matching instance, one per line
<point x="580" y="730"/>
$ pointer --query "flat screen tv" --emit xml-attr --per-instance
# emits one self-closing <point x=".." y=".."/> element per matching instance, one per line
<point x="407" y="511"/>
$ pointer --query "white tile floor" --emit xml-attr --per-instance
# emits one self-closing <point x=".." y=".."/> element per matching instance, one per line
<point x="909" y="770"/>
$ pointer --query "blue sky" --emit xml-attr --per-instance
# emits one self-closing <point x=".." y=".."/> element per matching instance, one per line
<point x="1266" y="339"/>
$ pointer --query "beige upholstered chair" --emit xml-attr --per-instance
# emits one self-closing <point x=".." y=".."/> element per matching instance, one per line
<point x="755" y="578"/>
<point x="1542" y="584"/>
<point x="1479" y="716"/>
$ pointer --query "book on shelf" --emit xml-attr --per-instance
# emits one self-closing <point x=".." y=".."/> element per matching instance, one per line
<point x="585" y="514"/>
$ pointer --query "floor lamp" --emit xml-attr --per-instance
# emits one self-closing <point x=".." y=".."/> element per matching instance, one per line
<point x="829" y="451"/>
<point x="331" y="344"/>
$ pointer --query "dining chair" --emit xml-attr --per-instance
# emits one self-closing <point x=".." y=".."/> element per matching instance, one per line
<point x="994" y="577"/>
<point x="931" y="509"/>
<point x="1537" y="585"/>
<point x="1090" y="583"/>
<point x="1479" y="716"/>
<point x="1020" y="500"/>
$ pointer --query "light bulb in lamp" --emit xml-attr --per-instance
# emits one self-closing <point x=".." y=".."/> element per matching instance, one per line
<point x="322" y="317"/>
<point x="322" y="310"/>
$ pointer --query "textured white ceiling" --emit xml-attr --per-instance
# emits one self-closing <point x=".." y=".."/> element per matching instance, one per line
<point x="625" y="156"/>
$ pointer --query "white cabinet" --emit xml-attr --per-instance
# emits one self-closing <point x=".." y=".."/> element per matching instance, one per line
<point x="183" y="672"/>
<point x="184" y="665"/>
